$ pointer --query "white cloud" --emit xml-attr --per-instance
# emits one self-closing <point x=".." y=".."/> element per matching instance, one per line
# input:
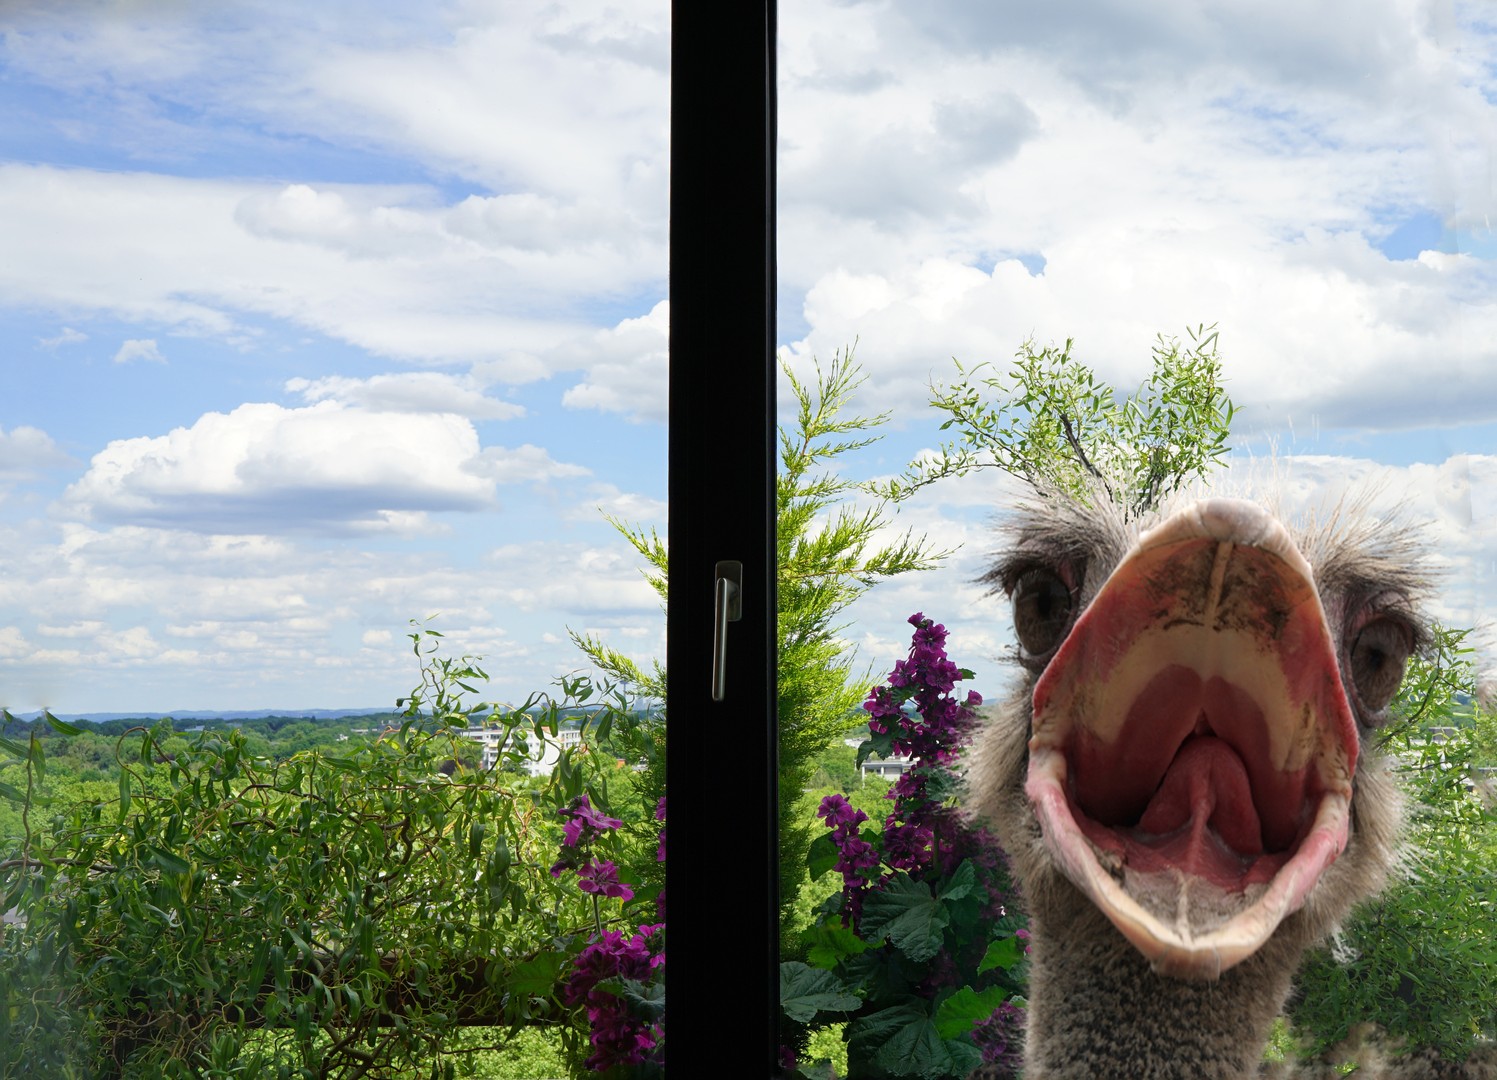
<point x="23" y="449"/>
<point x="628" y="506"/>
<point x="69" y="336"/>
<point x="265" y="469"/>
<point x="522" y="464"/>
<point x="13" y="643"/>
<point x="1242" y="182"/>
<point x="407" y="290"/>
<point x="268" y="630"/>
<point x="409" y="391"/>
<point x="627" y="367"/>
<point x="139" y="350"/>
<point x="554" y="120"/>
<point x="88" y="629"/>
<point x="953" y="180"/>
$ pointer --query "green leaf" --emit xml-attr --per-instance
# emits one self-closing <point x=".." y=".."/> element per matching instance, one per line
<point x="905" y="912"/>
<point x="62" y="727"/>
<point x="822" y="855"/>
<point x="805" y="991"/>
<point x="829" y="944"/>
<point x="960" y="883"/>
<point x="645" y="999"/>
<point x="957" y="1015"/>
<point x="1003" y="953"/>
<point x="169" y="862"/>
<point x="537" y="976"/>
<point x="877" y="745"/>
<point x="917" y="1049"/>
<point x="867" y="1034"/>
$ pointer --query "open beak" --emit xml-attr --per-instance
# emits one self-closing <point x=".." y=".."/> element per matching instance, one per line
<point x="1192" y="750"/>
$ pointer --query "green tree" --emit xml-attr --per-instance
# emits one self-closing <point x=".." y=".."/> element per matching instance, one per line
<point x="828" y="556"/>
<point x="1420" y="960"/>
<point x="1053" y="424"/>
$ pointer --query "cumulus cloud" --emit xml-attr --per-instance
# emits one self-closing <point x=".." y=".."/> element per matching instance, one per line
<point x="272" y="620"/>
<point x="953" y="181"/>
<point x="263" y="468"/>
<point x="627" y="367"/>
<point x="1107" y="196"/>
<point x="23" y="449"/>
<point x="1352" y="341"/>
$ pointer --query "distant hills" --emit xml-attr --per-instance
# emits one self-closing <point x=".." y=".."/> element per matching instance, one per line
<point x="210" y="714"/>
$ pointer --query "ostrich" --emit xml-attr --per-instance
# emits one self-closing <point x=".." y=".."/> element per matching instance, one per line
<point x="1185" y="781"/>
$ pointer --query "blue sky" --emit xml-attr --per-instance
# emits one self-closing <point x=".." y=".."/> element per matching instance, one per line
<point x="315" y="319"/>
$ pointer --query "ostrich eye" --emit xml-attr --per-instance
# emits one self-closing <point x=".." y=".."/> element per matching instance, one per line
<point x="1042" y="610"/>
<point x="1378" y="658"/>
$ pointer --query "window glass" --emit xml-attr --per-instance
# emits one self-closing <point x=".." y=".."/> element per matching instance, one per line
<point x="1310" y="191"/>
<point x="956" y="179"/>
<point x="317" y="321"/>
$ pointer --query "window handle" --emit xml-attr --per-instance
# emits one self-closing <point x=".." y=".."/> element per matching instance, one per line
<point x="728" y="608"/>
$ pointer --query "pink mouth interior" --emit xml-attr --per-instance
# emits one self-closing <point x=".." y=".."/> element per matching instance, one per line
<point x="1189" y="785"/>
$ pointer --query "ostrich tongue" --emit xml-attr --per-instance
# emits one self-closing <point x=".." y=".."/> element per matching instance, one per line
<point x="1192" y="750"/>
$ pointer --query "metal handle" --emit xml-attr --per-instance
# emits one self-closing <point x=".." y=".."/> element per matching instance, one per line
<point x="727" y="608"/>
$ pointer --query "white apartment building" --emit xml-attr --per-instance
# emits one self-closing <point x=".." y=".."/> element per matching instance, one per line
<point x="543" y="757"/>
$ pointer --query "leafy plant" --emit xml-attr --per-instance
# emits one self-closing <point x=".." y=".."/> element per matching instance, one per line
<point x="1053" y="424"/>
<point x="922" y="952"/>
<point x="336" y="914"/>
<point x="1420" y="961"/>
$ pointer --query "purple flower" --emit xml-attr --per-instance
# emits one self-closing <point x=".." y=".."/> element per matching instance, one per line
<point x="907" y="847"/>
<point x="839" y="813"/>
<point x="601" y="878"/>
<point x="584" y="824"/>
<point x="618" y="1037"/>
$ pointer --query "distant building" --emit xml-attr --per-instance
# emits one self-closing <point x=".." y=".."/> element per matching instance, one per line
<point x="890" y="768"/>
<point x="543" y="757"/>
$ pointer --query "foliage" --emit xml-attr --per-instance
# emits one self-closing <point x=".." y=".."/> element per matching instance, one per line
<point x="1420" y="961"/>
<point x="1054" y="425"/>
<point x="828" y="555"/>
<point x="922" y="951"/>
<point x="337" y="914"/>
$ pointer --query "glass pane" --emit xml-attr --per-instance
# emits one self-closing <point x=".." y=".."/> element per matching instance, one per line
<point x="318" y="324"/>
<point x="325" y="326"/>
<point x="957" y="180"/>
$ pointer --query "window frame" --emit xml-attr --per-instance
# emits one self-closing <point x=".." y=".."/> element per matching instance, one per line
<point x="721" y="764"/>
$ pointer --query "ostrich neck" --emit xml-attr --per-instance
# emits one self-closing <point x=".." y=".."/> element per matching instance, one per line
<point x="1096" y="1009"/>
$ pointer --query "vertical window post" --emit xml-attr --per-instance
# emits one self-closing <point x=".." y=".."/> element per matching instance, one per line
<point x="721" y="754"/>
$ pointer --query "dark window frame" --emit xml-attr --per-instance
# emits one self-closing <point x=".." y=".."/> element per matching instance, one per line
<point x="722" y="757"/>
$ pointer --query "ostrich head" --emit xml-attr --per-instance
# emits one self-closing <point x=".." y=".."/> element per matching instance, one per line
<point x="1191" y="755"/>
